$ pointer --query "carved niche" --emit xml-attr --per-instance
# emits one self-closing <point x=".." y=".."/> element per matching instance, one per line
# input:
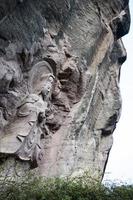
<point x="41" y="85"/>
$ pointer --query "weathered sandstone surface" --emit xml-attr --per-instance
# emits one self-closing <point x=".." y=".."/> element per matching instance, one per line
<point x="60" y="64"/>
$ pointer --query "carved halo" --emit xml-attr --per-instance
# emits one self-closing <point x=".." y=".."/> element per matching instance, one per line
<point x="38" y="76"/>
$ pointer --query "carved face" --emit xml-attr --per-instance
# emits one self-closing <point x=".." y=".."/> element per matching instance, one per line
<point x="47" y="89"/>
<point x="49" y="83"/>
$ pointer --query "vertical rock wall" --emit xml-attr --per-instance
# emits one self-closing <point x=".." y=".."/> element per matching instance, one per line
<point x="60" y="64"/>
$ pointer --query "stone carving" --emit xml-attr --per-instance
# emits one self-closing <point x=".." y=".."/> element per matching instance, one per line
<point x="59" y="74"/>
<point x="30" y="148"/>
<point x="29" y="126"/>
<point x="38" y="76"/>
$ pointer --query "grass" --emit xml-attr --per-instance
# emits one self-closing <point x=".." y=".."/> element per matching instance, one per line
<point x="36" y="188"/>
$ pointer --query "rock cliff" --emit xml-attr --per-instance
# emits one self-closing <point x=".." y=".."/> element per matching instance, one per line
<point x="60" y="64"/>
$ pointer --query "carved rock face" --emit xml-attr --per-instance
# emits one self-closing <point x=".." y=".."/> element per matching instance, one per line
<point x="59" y="83"/>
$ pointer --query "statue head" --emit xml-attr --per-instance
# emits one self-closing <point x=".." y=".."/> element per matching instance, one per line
<point x="47" y="89"/>
<point x="41" y="75"/>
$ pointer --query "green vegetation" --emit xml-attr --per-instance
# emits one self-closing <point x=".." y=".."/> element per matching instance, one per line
<point x="32" y="188"/>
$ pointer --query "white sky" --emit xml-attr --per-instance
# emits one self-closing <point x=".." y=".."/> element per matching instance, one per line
<point x="120" y="165"/>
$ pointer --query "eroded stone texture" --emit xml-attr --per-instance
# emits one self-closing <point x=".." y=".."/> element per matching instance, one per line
<point x="60" y="66"/>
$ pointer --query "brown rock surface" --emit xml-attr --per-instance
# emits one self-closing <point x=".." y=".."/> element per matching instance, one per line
<point x="60" y="64"/>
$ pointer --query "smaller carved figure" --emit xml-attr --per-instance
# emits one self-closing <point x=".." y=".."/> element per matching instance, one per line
<point x="31" y="146"/>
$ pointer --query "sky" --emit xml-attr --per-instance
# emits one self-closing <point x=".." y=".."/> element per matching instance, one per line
<point x="120" y="164"/>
